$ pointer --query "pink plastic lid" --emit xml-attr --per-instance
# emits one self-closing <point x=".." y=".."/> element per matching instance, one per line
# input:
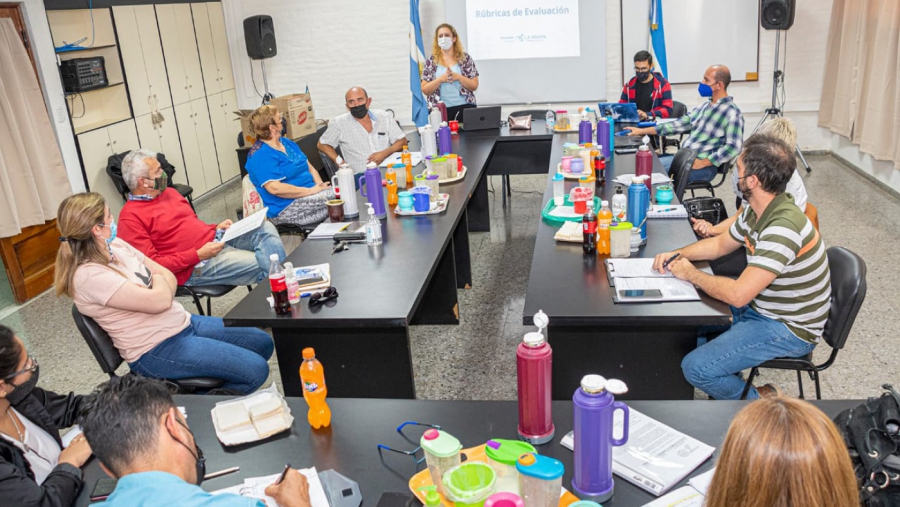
<point x="431" y="434"/>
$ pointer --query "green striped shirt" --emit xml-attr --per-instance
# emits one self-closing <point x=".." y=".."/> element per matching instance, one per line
<point x="785" y="242"/>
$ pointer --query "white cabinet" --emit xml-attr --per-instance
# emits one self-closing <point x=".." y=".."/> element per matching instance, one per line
<point x="145" y="67"/>
<point x="163" y="138"/>
<point x="225" y="129"/>
<point x="198" y="146"/>
<point x="212" y="43"/>
<point x="179" y="43"/>
<point x="96" y="147"/>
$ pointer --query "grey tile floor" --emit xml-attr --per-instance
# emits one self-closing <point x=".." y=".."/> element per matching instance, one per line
<point x="475" y="360"/>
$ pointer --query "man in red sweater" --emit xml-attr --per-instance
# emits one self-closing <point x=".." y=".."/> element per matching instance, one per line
<point x="159" y="222"/>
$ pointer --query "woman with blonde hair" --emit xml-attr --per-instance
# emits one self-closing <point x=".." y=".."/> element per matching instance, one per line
<point x="133" y="299"/>
<point x="783" y="452"/>
<point x="287" y="183"/>
<point x="450" y="74"/>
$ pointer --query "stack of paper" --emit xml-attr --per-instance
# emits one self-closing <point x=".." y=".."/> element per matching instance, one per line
<point x="327" y="230"/>
<point x="255" y="487"/>
<point x="656" y="456"/>
<point x="638" y="275"/>
<point x="313" y="277"/>
<point x="667" y="211"/>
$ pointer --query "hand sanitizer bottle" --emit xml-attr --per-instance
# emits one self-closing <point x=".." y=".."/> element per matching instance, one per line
<point x="373" y="227"/>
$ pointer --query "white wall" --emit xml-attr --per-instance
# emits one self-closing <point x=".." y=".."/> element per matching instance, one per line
<point x="51" y="85"/>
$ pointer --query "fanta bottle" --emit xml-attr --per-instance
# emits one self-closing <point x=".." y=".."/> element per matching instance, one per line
<point x="312" y="375"/>
<point x="604" y="220"/>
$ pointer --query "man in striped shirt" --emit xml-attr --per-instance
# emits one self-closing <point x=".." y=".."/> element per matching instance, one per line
<point x="716" y="127"/>
<point x="780" y="302"/>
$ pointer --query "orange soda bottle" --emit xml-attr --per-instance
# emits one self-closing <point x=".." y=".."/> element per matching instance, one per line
<point x="604" y="219"/>
<point x="391" y="178"/>
<point x="406" y="158"/>
<point x="312" y="376"/>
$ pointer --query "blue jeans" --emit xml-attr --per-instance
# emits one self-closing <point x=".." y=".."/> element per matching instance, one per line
<point x="243" y="261"/>
<point x="705" y="174"/>
<point x="750" y="340"/>
<point x="206" y="348"/>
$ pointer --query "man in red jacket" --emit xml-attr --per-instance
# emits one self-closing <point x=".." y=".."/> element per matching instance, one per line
<point x="159" y="222"/>
<point x="650" y="91"/>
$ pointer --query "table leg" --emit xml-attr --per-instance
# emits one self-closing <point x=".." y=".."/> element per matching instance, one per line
<point x="372" y="362"/>
<point x="462" y="254"/>
<point x="477" y="209"/>
<point x="503" y="188"/>
<point x="647" y="359"/>
<point x="438" y="304"/>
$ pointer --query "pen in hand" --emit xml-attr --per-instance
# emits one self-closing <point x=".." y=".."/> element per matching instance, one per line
<point x="672" y="258"/>
<point x="283" y="474"/>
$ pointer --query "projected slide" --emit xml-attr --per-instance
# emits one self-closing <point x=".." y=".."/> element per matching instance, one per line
<point x="509" y="29"/>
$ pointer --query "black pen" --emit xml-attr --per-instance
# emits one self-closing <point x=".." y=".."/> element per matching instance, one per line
<point x="672" y="258"/>
<point x="283" y="474"/>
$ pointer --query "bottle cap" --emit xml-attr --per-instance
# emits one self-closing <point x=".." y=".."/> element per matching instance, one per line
<point x="440" y="443"/>
<point x="616" y="386"/>
<point x="540" y="467"/>
<point x="639" y="180"/>
<point x="431" y="434"/>
<point x="406" y="147"/>
<point x="534" y="339"/>
<point x="593" y="384"/>
<point x="308" y="353"/>
<point x="273" y="257"/>
<point x="604" y="203"/>
<point x="541" y="320"/>
<point x="431" y="495"/>
<point x="618" y="189"/>
<point x="507" y="451"/>
<point x="558" y="177"/>
<point x="288" y="267"/>
<point x="527" y="459"/>
<point x="371" y="165"/>
<point x="443" y="124"/>
<point x="646" y="140"/>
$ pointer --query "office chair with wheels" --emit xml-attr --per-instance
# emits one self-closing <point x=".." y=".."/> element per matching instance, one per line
<point x="709" y="185"/>
<point x="681" y="167"/>
<point x="114" y="171"/>
<point x="848" y="290"/>
<point x="108" y="357"/>
<point x="678" y="110"/>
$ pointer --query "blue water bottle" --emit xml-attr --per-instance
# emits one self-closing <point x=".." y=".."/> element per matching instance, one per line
<point x="612" y="139"/>
<point x="638" y="204"/>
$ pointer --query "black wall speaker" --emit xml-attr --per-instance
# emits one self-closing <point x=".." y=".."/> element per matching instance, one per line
<point x="777" y="14"/>
<point x="259" y="32"/>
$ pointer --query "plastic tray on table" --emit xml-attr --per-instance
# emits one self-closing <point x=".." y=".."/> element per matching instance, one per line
<point x="567" y="201"/>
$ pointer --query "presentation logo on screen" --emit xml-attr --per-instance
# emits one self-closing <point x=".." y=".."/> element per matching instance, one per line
<point x="510" y="29"/>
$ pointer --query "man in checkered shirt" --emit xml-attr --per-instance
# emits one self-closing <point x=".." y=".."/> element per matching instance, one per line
<point x="716" y="127"/>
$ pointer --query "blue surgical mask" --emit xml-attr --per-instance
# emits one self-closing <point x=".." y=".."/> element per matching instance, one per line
<point x="705" y="90"/>
<point x="113" y="230"/>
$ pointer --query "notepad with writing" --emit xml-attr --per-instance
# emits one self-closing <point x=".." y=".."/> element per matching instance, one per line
<point x="667" y="211"/>
<point x="634" y="268"/>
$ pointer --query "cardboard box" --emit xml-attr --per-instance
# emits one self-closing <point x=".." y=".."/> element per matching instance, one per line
<point x="299" y="113"/>
<point x="246" y="129"/>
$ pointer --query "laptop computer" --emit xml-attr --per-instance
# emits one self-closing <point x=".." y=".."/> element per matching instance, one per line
<point x="621" y="113"/>
<point x="481" y="118"/>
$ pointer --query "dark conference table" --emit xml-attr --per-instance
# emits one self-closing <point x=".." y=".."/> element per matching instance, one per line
<point x="641" y="344"/>
<point x="349" y="444"/>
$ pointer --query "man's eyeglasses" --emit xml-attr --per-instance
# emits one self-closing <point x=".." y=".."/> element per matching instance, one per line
<point x="412" y="452"/>
<point x="321" y="297"/>
<point x="30" y="366"/>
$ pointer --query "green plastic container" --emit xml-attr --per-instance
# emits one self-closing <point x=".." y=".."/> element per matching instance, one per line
<point x="470" y="483"/>
<point x="502" y="456"/>
<point x="567" y="201"/>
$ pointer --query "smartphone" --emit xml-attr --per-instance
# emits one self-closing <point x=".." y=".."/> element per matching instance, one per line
<point x="390" y="499"/>
<point x="624" y="150"/>
<point x="103" y="488"/>
<point x="641" y="293"/>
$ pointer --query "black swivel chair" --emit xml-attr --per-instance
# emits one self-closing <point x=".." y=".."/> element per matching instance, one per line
<point x="109" y="359"/>
<point x="114" y="170"/>
<point x="848" y="290"/>
<point x="681" y="167"/>
<point x="678" y="110"/>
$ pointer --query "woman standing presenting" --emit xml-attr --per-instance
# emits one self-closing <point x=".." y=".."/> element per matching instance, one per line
<point x="450" y="75"/>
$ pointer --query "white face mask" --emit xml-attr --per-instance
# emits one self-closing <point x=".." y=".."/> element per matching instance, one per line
<point x="445" y="43"/>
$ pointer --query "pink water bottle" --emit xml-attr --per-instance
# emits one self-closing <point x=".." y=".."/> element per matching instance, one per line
<point x="534" y="362"/>
<point x="643" y="163"/>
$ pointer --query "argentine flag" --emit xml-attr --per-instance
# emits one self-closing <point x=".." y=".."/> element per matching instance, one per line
<point x="416" y="63"/>
<point x="657" y="42"/>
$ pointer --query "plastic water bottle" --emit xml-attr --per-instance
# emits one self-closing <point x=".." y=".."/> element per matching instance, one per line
<point x="638" y="203"/>
<point x="534" y="361"/>
<point x="619" y="206"/>
<point x="293" y="286"/>
<point x="278" y="283"/>
<point x="592" y="422"/>
<point x="550" y="117"/>
<point x="373" y="227"/>
<point x="312" y="375"/>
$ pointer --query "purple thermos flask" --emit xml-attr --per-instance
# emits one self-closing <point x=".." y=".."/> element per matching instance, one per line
<point x="592" y="410"/>
<point x="585" y="132"/>
<point x="534" y="369"/>
<point x="373" y="191"/>
<point x="603" y="136"/>
<point x="443" y="138"/>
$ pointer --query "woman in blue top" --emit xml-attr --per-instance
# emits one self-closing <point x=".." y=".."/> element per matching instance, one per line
<point x="289" y="185"/>
<point x="449" y="75"/>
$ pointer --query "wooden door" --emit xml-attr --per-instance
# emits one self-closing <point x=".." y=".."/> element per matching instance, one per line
<point x="220" y="43"/>
<point x="206" y="49"/>
<point x="29" y="256"/>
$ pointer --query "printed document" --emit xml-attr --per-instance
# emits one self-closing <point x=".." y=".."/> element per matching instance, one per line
<point x="245" y="225"/>
<point x="396" y="158"/>
<point x="255" y="487"/>
<point x="634" y="268"/>
<point x="672" y="289"/>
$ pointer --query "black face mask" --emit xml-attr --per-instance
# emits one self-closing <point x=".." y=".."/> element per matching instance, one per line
<point x="160" y="183"/>
<point x="200" y="464"/>
<point x="21" y="391"/>
<point x="359" y="112"/>
<point x="642" y="76"/>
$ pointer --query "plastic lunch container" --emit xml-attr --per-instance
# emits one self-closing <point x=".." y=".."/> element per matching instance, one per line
<point x="470" y="483"/>
<point x="441" y="454"/>
<point x="502" y="455"/>
<point x="540" y="480"/>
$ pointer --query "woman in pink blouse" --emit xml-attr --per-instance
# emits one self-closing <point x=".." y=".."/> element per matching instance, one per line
<point x="450" y="75"/>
